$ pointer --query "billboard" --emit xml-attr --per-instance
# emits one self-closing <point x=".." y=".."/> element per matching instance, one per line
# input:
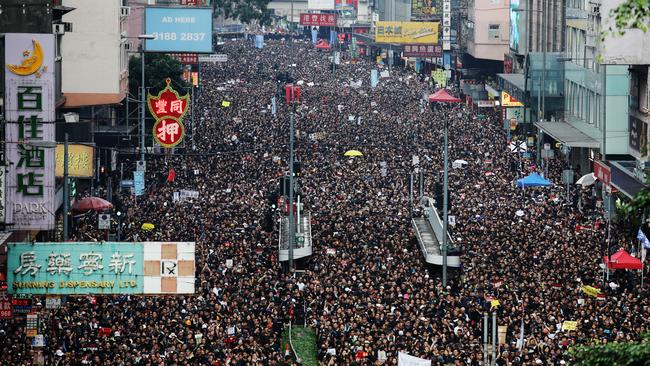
<point x="29" y="130"/>
<point x="81" y="159"/>
<point x="318" y="19"/>
<point x="515" y="12"/>
<point x="344" y="4"/>
<point x="423" y="9"/>
<point x="508" y="101"/>
<point x="101" y="268"/>
<point x="446" y="25"/>
<point x="406" y="32"/>
<point x="184" y="29"/>
<point x="320" y="4"/>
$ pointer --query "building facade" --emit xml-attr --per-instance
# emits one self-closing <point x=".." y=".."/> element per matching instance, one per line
<point x="487" y="24"/>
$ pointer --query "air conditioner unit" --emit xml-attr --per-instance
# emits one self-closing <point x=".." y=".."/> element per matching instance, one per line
<point x="71" y="117"/>
<point x="58" y="28"/>
<point x="125" y="11"/>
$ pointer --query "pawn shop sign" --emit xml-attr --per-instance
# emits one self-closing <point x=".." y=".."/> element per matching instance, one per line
<point x="168" y="131"/>
<point x="168" y="108"/>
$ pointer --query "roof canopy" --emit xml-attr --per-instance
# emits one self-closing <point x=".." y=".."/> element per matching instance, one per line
<point x="442" y="96"/>
<point x="622" y="260"/>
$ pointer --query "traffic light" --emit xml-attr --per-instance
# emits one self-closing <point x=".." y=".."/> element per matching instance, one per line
<point x="72" y="185"/>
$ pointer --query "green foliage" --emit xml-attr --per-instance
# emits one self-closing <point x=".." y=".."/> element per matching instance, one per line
<point x="247" y="11"/>
<point x="158" y="67"/>
<point x="632" y="14"/>
<point x="614" y="354"/>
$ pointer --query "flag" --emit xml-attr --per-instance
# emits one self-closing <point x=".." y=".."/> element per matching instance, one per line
<point x="374" y="78"/>
<point x="172" y="175"/>
<point x="643" y="239"/>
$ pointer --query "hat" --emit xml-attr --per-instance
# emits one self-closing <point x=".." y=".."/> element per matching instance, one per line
<point x="538" y="362"/>
<point x="59" y="353"/>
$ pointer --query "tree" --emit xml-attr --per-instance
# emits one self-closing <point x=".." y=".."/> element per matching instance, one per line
<point x="157" y="67"/>
<point x="614" y="354"/>
<point x="632" y="14"/>
<point x="247" y="11"/>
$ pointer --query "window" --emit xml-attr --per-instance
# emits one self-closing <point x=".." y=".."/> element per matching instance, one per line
<point x="494" y="32"/>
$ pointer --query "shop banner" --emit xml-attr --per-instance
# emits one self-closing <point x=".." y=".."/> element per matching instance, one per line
<point x="406" y="32"/>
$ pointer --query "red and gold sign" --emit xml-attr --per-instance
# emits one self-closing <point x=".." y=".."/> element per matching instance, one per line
<point x="168" y="108"/>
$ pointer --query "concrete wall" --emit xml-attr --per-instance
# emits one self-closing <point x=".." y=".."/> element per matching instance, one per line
<point x="93" y="54"/>
<point x="632" y="48"/>
<point x="483" y="14"/>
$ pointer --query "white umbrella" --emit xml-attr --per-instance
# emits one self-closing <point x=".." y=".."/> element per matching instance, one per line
<point x="458" y="163"/>
<point x="587" y="180"/>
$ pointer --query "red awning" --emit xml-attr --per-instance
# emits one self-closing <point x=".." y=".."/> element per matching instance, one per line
<point x="622" y="260"/>
<point x="442" y="96"/>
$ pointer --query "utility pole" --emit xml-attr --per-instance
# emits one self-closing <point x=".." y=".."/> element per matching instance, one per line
<point x="445" y="205"/>
<point x="66" y="189"/>
<point x="485" y="339"/>
<point x="494" y="338"/>
<point x="142" y="104"/>
<point x="292" y="229"/>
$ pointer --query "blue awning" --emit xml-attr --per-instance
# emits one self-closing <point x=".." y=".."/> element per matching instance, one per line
<point x="623" y="178"/>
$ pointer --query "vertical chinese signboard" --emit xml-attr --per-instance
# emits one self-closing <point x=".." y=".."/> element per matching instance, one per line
<point x="29" y="130"/>
<point x="101" y="268"/>
<point x="6" y="308"/>
<point x="168" y="108"/>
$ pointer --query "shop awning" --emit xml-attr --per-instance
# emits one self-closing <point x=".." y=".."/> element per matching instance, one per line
<point x="516" y="80"/>
<point x="78" y="100"/>
<point x="567" y="134"/>
<point x="623" y="177"/>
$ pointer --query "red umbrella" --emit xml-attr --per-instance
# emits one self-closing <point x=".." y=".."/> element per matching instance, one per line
<point x="91" y="204"/>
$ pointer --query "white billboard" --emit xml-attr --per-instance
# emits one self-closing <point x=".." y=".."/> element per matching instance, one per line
<point x="320" y="4"/>
<point x="30" y="131"/>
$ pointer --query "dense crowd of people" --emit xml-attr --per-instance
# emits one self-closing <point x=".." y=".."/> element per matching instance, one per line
<point x="367" y="289"/>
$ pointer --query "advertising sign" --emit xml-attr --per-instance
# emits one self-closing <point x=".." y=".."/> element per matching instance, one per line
<point x="422" y="50"/>
<point x="168" y="109"/>
<point x="602" y="172"/>
<point x="344" y="4"/>
<point x="29" y="106"/>
<point x="138" y="182"/>
<point x="320" y="4"/>
<point x="446" y="25"/>
<point x="101" y="268"/>
<point x="217" y="57"/>
<point x="638" y="134"/>
<point x="179" y="29"/>
<point x="6" y="308"/>
<point x="81" y="160"/>
<point x="508" y="101"/>
<point x="186" y="58"/>
<point x="328" y="20"/>
<point x="406" y="32"/>
<point x="2" y="193"/>
<point x="423" y="9"/>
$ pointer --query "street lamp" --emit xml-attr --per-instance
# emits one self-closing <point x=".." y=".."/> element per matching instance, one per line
<point x="119" y="225"/>
<point x="142" y="37"/>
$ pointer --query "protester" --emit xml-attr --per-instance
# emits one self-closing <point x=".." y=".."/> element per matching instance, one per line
<point x="375" y="296"/>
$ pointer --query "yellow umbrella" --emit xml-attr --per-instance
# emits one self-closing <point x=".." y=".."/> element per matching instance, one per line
<point x="147" y="226"/>
<point x="353" y="153"/>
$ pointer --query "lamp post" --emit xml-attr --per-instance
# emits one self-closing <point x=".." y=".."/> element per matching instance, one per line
<point x="119" y="225"/>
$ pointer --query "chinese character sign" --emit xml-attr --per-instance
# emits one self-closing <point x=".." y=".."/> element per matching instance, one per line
<point x="6" y="308"/>
<point x="100" y="268"/>
<point x="422" y="50"/>
<point x="328" y="20"/>
<point x="29" y="129"/>
<point x="81" y="160"/>
<point x="406" y="32"/>
<point x="168" y="108"/>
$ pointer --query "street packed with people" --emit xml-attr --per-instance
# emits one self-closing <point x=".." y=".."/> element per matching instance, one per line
<point x="526" y="253"/>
